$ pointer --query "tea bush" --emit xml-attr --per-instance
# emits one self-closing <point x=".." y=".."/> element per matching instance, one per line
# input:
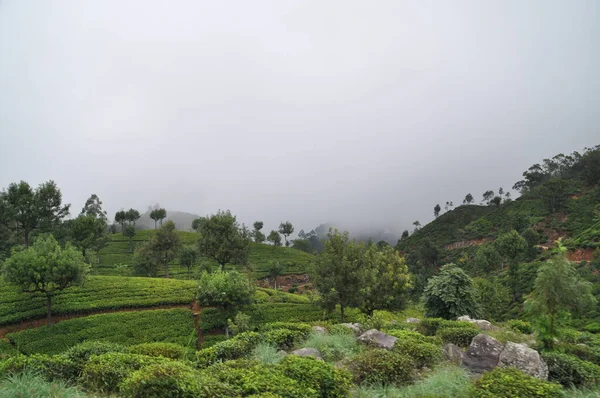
<point x="569" y="370"/>
<point x="510" y="383"/>
<point x="381" y="366"/>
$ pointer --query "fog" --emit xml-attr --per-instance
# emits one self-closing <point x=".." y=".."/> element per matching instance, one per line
<point x="364" y="114"/>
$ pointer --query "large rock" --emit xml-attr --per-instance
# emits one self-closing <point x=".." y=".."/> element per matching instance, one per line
<point x="307" y="352"/>
<point x="524" y="358"/>
<point x="319" y="330"/>
<point x="464" y="318"/>
<point x="481" y="324"/>
<point x="454" y="354"/>
<point x="355" y="327"/>
<point x="413" y="320"/>
<point x="483" y="354"/>
<point x="379" y="339"/>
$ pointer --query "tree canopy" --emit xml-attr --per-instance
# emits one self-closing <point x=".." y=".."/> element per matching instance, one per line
<point x="220" y="238"/>
<point x="158" y="214"/>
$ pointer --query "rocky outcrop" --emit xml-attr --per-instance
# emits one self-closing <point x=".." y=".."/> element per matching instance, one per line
<point x="524" y="358"/>
<point x="454" y="354"/>
<point x="319" y="330"/>
<point x="413" y="320"/>
<point x="375" y="338"/>
<point x="483" y="354"/>
<point x="355" y="327"/>
<point x="481" y="324"/>
<point x="307" y="352"/>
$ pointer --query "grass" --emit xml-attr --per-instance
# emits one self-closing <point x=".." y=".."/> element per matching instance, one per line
<point x="267" y="353"/>
<point x="126" y="328"/>
<point x="30" y="385"/>
<point x="333" y="347"/>
<point x="444" y="382"/>
<point x="261" y="255"/>
<point x="98" y="293"/>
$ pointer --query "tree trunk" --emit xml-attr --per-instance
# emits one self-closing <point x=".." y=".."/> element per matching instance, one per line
<point x="26" y="238"/>
<point x="342" y="311"/>
<point x="222" y="267"/>
<point x="154" y="224"/>
<point x="166" y="267"/>
<point x="49" y="305"/>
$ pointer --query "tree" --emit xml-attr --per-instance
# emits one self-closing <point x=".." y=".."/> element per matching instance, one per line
<point x="487" y="196"/>
<point x="554" y="194"/>
<point x="38" y="209"/>
<point x="129" y="232"/>
<point x="496" y="201"/>
<point x="274" y="238"/>
<point x="121" y="218"/>
<point x="274" y="269"/>
<point x="436" y="210"/>
<point x="450" y="294"/>
<point x="494" y="298"/>
<point x="512" y="247"/>
<point x="405" y="234"/>
<point x="158" y="214"/>
<point x="338" y="272"/>
<point x="196" y="224"/>
<point x="487" y="259"/>
<point x="258" y="236"/>
<point x="187" y="257"/>
<point x="468" y="199"/>
<point x="45" y="268"/>
<point x="417" y="225"/>
<point x="501" y="191"/>
<point x="165" y="244"/>
<point x="221" y="238"/>
<point x="303" y="245"/>
<point x="449" y="204"/>
<point x="225" y="290"/>
<point x="387" y="280"/>
<point x="558" y="290"/>
<point x="93" y="207"/>
<point x="88" y="232"/>
<point x="286" y="229"/>
<point x="132" y="216"/>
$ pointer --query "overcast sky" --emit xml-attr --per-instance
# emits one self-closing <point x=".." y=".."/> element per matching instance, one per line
<point x="364" y="113"/>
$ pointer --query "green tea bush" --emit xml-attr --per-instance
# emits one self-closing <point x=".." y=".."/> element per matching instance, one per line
<point x="56" y="367"/>
<point x="284" y="339"/>
<point x="581" y="351"/>
<point x="237" y="347"/>
<point x="173" y="379"/>
<point x="381" y="366"/>
<point x="462" y="337"/>
<point x="430" y="326"/>
<point x="511" y="383"/>
<point x="7" y="350"/>
<point x="166" y="350"/>
<point x="80" y="353"/>
<point x="306" y="329"/>
<point x="519" y="326"/>
<point x="592" y="327"/>
<point x="104" y="373"/>
<point x="318" y="376"/>
<point x="206" y="357"/>
<point x="569" y="370"/>
<point x="414" y="336"/>
<point x="423" y="354"/>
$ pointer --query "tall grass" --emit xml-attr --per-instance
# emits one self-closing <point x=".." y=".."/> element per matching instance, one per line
<point x="267" y="353"/>
<point x="444" y="382"/>
<point x="333" y="347"/>
<point x="30" y="385"/>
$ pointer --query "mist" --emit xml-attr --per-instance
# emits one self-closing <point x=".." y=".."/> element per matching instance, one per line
<point x="361" y="114"/>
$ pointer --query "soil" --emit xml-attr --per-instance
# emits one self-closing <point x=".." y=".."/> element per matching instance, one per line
<point x="467" y="243"/>
<point x="284" y="282"/>
<point x="581" y="254"/>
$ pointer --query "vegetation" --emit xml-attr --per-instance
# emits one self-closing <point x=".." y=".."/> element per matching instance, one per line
<point x="450" y="294"/>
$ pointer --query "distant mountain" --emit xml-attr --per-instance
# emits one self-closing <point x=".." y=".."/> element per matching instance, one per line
<point x="182" y="220"/>
<point x="359" y="234"/>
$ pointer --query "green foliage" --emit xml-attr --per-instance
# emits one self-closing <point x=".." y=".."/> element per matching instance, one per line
<point x="31" y="385"/>
<point x="220" y="238"/>
<point x="450" y="294"/>
<point x="160" y="349"/>
<point x="125" y="328"/>
<point x="241" y="323"/>
<point x="510" y="383"/>
<point x="569" y="370"/>
<point x="318" y="376"/>
<point x="431" y="326"/>
<point x="333" y="347"/>
<point x="158" y="214"/>
<point x="227" y="290"/>
<point x="239" y="346"/>
<point x="520" y="326"/>
<point x="554" y="194"/>
<point x="422" y="353"/>
<point x="173" y="379"/>
<point x="45" y="268"/>
<point x="88" y="232"/>
<point x="274" y="238"/>
<point x="461" y="337"/>
<point x="162" y="247"/>
<point x="284" y="339"/>
<point x="51" y="368"/>
<point x="80" y="353"/>
<point x="493" y="297"/>
<point x="187" y="257"/>
<point x="286" y="229"/>
<point x="267" y="353"/>
<point x="379" y="366"/>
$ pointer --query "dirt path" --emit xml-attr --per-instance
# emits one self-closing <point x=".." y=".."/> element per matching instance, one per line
<point x="36" y="323"/>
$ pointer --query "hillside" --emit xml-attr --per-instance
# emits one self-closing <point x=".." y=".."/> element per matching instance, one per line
<point x="261" y="255"/>
<point x="182" y="220"/>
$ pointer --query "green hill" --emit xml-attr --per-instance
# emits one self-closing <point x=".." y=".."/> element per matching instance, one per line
<point x="118" y="252"/>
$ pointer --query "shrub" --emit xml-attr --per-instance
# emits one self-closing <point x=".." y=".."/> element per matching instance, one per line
<point x="105" y="372"/>
<point x="173" y="379"/>
<point x="519" y="326"/>
<point x="430" y="326"/>
<point x="511" y="382"/>
<point x="317" y="375"/>
<point x="237" y="347"/>
<point x="333" y="347"/>
<point x="569" y="370"/>
<point x="206" y="357"/>
<point x="340" y="329"/>
<point x="166" y="350"/>
<point x="423" y="354"/>
<point x="51" y="368"/>
<point x="380" y="366"/>
<point x="80" y="353"/>
<point x="267" y="353"/>
<point x="284" y="339"/>
<point x="592" y="327"/>
<point x="31" y="385"/>
<point x="306" y="329"/>
<point x="462" y="337"/>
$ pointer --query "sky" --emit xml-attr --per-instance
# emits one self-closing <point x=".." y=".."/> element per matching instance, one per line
<point x="364" y="114"/>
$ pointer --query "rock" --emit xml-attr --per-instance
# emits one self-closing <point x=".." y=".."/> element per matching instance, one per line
<point x="464" y="318"/>
<point x="453" y="354"/>
<point x="282" y="353"/>
<point x="483" y="354"/>
<point x="319" y="330"/>
<point x="307" y="352"/>
<point x="354" y="326"/>
<point x="482" y="324"/>
<point x="413" y="320"/>
<point x="524" y="358"/>
<point x="378" y="339"/>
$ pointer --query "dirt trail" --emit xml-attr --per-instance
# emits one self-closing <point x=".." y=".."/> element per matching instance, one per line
<point x="36" y="323"/>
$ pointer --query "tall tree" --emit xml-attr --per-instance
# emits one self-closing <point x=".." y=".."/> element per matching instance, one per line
<point x="436" y="210"/>
<point x="121" y="218"/>
<point x="187" y="257"/>
<point x="274" y="238"/>
<point x="45" y="268"/>
<point x="554" y="194"/>
<point x="387" y="280"/>
<point x="468" y="199"/>
<point x="196" y="223"/>
<point x="88" y="232"/>
<point x="558" y="291"/>
<point x="158" y="214"/>
<point x="132" y="216"/>
<point x="487" y="196"/>
<point x="405" y="234"/>
<point x="449" y="205"/>
<point x="221" y="238"/>
<point x="93" y="207"/>
<point x="38" y="209"/>
<point x="129" y="232"/>
<point x="286" y="229"/>
<point x="258" y="236"/>
<point x="165" y="243"/>
<point x="274" y="269"/>
<point x="338" y="272"/>
<point x="512" y="247"/>
<point x="417" y="225"/>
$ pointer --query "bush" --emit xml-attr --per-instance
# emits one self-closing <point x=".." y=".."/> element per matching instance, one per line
<point x="31" y="385"/>
<point x="267" y="353"/>
<point x="80" y="353"/>
<point x="519" y="326"/>
<point x="510" y="383"/>
<point x="592" y="327"/>
<point x="105" y="372"/>
<point x="569" y="370"/>
<point x="166" y="350"/>
<point x="333" y="347"/>
<point x="237" y="347"/>
<point x="317" y="375"/>
<point x="173" y="379"/>
<point x="423" y="354"/>
<point x="462" y="337"/>
<point x="306" y="329"/>
<point x="51" y="368"/>
<point x="381" y="366"/>
<point x="430" y="326"/>
<point x="338" y="329"/>
<point x="206" y="357"/>
<point x="284" y="339"/>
